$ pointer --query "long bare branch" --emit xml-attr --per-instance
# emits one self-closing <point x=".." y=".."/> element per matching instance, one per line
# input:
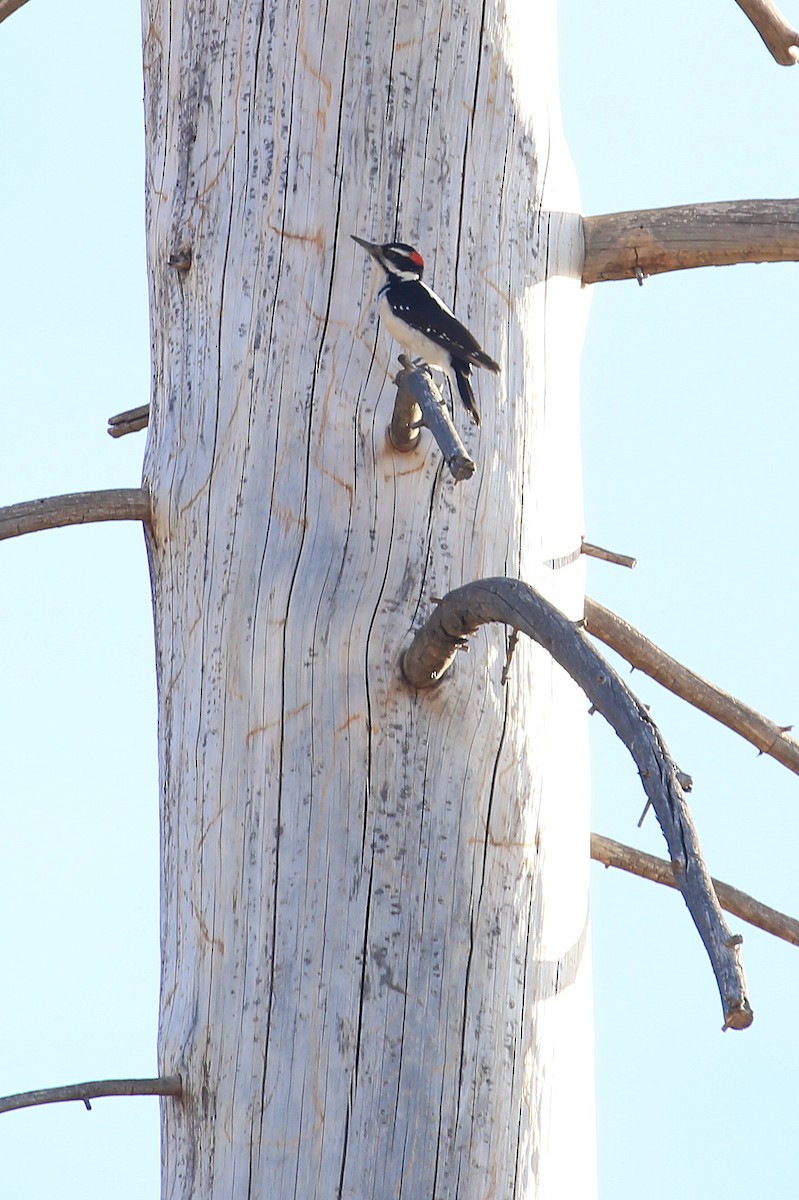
<point x="76" y="508"/>
<point x="632" y="245"/>
<point x="513" y="603"/>
<point x="770" y="738"/>
<point x="163" y="1085"/>
<point x="648" y="866"/>
<point x="781" y="38"/>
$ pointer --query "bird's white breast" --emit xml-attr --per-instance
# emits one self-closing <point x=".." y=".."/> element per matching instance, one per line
<point x="412" y="340"/>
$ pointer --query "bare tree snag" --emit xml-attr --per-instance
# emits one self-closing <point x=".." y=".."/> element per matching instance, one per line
<point x="648" y="866"/>
<point x="770" y="738"/>
<point x="75" y="508"/>
<point x="376" y="976"/>
<point x="781" y="38"/>
<point x="632" y="245"/>
<point x="164" y="1085"/>
<point x="510" y="602"/>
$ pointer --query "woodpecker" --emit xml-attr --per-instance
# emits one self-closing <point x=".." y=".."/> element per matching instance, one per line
<point x="421" y="322"/>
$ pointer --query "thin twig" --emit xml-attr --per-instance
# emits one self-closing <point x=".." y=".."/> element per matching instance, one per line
<point x="419" y="402"/>
<point x="130" y="421"/>
<point x="611" y="556"/>
<point x="513" y="603"/>
<point x="163" y="1085"/>
<point x="632" y="245"/>
<point x="780" y="38"/>
<point x="76" y="508"/>
<point x="770" y="738"/>
<point x="647" y="866"/>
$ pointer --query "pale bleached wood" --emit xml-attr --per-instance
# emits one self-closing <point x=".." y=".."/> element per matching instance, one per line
<point x="168" y="1085"/>
<point x="632" y="245"/>
<point x="74" y="508"/>
<point x="376" y="967"/>
<point x="778" y="34"/>
<point x="626" y="858"/>
<point x="770" y="738"/>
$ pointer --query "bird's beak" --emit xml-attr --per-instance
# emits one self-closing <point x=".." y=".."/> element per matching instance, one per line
<point x="372" y="248"/>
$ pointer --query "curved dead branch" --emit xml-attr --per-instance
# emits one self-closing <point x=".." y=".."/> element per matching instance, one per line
<point x="513" y="603"/>
<point x="770" y="738"/>
<point x="780" y="38"/>
<point x="163" y="1085"/>
<point x="632" y="245"/>
<point x="616" y="854"/>
<point x="76" y="508"/>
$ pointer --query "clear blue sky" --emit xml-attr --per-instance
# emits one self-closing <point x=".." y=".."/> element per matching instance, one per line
<point x="690" y="441"/>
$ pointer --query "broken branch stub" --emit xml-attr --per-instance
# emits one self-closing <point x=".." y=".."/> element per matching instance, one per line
<point x="130" y="421"/>
<point x="513" y="603"/>
<point x="420" y="403"/>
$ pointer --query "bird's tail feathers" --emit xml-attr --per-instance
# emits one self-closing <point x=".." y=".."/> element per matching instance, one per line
<point x="462" y="371"/>
<point x="481" y="359"/>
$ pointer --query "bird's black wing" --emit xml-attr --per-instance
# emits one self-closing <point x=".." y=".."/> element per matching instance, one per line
<point x="413" y="302"/>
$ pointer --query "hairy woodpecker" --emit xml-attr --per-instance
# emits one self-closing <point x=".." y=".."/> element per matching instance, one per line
<point x="422" y="323"/>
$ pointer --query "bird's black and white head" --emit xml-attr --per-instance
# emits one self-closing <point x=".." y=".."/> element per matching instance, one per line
<point x="398" y="260"/>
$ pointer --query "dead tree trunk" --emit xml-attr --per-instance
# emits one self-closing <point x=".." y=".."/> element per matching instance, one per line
<point x="376" y="973"/>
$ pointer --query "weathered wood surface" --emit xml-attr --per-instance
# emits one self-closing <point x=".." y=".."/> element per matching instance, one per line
<point x="632" y="245"/>
<point x="376" y="972"/>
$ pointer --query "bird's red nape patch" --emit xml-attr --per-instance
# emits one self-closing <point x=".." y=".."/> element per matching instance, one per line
<point x="416" y="258"/>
